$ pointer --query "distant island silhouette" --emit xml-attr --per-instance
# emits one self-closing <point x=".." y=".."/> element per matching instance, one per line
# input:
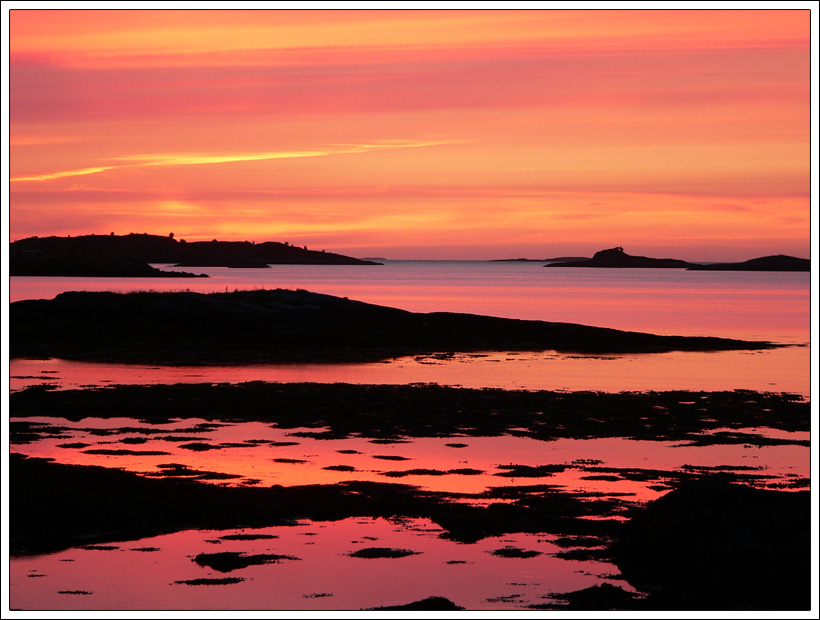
<point x="115" y="255"/>
<point x="779" y="262"/>
<point x="560" y="259"/>
<point x="615" y="258"/>
<point x="286" y="325"/>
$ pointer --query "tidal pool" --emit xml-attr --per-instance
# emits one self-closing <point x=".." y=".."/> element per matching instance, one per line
<point x="161" y="572"/>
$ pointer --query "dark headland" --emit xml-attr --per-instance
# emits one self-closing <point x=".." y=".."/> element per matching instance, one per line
<point x="286" y="325"/>
<point x="99" y="255"/>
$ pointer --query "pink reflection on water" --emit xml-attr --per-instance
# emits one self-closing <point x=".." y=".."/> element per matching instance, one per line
<point x="324" y="577"/>
<point x="457" y="464"/>
<point x="775" y="370"/>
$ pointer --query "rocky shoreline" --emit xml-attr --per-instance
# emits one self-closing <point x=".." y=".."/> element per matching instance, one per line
<point x="756" y="540"/>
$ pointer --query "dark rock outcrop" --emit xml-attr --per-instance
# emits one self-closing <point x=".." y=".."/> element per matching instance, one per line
<point x="711" y="545"/>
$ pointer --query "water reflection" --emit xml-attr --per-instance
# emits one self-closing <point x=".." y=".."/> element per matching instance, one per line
<point x="255" y="453"/>
<point x="324" y="577"/>
<point x="774" y="370"/>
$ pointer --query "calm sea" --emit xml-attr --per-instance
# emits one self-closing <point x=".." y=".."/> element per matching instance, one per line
<point x="749" y="305"/>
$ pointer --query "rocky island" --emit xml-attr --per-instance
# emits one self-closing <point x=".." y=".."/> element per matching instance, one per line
<point x="617" y="258"/>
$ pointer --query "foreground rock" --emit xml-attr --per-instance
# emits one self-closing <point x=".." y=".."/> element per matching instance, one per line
<point x="710" y="545"/>
<point x="284" y="325"/>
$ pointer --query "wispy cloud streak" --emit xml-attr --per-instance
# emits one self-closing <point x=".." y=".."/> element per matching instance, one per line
<point x="194" y="159"/>
<point x="52" y="176"/>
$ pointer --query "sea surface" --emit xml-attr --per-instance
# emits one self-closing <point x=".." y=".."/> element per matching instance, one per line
<point x="154" y="573"/>
<point x="765" y="306"/>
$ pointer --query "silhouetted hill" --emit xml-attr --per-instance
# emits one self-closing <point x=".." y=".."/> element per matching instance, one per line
<point x="617" y="258"/>
<point x="765" y="263"/>
<point x="156" y="249"/>
<point x="285" y="325"/>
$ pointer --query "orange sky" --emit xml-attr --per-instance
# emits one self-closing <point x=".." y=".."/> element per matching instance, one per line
<point x="415" y="134"/>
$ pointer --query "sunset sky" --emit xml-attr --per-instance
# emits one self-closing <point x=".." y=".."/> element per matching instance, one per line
<point x="416" y="134"/>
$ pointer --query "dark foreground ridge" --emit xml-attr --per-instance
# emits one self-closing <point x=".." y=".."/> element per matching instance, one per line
<point x="780" y="262"/>
<point x="157" y="249"/>
<point x="284" y="325"/>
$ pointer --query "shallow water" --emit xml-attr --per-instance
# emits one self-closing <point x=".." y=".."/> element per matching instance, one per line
<point x="772" y="370"/>
<point x="324" y="576"/>
<point x="261" y="454"/>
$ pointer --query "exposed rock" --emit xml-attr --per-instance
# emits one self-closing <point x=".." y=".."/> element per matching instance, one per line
<point x="711" y="545"/>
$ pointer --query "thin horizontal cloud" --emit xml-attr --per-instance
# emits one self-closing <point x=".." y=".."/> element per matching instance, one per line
<point x="193" y="159"/>
<point x="51" y="176"/>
